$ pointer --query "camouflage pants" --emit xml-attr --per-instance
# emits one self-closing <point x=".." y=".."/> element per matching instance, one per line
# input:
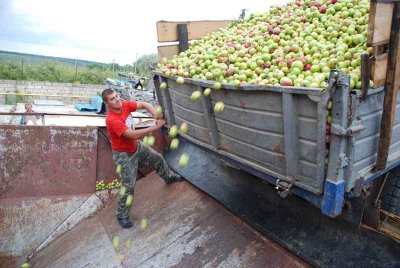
<point x="144" y="156"/>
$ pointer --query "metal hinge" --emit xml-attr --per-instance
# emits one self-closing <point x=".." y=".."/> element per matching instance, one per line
<point x="353" y="129"/>
<point x="335" y="81"/>
<point x="283" y="188"/>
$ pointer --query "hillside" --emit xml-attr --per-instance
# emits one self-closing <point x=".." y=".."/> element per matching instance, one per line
<point x="31" y="59"/>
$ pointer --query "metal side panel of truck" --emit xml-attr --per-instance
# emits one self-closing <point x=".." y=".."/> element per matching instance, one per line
<point x="279" y="134"/>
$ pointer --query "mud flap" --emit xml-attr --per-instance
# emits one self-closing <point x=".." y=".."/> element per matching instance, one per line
<point x="292" y="222"/>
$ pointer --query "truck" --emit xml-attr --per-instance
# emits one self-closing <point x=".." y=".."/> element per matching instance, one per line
<point x="328" y="146"/>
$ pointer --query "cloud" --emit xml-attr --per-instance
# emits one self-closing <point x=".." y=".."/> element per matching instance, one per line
<point x="103" y="30"/>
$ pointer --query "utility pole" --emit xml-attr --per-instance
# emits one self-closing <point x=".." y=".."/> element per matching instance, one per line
<point x="76" y="67"/>
<point x="113" y="64"/>
<point x="22" y="67"/>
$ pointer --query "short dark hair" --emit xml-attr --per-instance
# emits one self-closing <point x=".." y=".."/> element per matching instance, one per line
<point x="106" y="92"/>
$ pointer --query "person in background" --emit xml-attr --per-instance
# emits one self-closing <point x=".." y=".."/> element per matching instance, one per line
<point x="128" y="152"/>
<point x="28" y="119"/>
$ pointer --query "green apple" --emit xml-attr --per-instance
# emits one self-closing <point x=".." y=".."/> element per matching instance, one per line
<point x="184" y="127"/>
<point x="173" y="131"/>
<point x="196" y="95"/>
<point x="115" y="242"/>
<point x="163" y="85"/>
<point x="217" y="86"/>
<point x="184" y="160"/>
<point x="144" y="223"/>
<point x="174" y="144"/>
<point x="129" y="200"/>
<point x="219" y="107"/>
<point x="119" y="169"/>
<point x="207" y="92"/>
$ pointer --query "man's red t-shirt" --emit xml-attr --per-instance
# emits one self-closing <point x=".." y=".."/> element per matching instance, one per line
<point x="117" y="124"/>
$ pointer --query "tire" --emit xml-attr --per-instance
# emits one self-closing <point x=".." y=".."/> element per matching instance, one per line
<point x="390" y="197"/>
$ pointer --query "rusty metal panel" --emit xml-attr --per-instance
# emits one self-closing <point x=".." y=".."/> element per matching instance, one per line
<point x="47" y="161"/>
<point x="105" y="170"/>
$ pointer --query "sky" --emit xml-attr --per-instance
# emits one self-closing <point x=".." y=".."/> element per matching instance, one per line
<point x="104" y="31"/>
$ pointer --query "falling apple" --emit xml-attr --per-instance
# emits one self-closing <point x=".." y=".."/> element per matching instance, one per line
<point x="119" y="169"/>
<point x="174" y="144"/>
<point x="144" y="223"/>
<point x="115" y="242"/>
<point x="207" y="92"/>
<point x="163" y="85"/>
<point x="184" y="127"/>
<point x="180" y="80"/>
<point x="173" y="131"/>
<point x="184" y="160"/>
<point x="219" y="107"/>
<point x="129" y="200"/>
<point x="122" y="191"/>
<point x="195" y="95"/>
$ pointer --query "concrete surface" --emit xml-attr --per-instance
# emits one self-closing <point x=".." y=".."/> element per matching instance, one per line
<point x="186" y="228"/>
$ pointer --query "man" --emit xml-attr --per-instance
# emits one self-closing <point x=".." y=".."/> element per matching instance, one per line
<point x="128" y="152"/>
<point x="28" y="119"/>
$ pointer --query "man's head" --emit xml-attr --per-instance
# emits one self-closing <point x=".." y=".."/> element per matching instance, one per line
<point x="111" y="99"/>
<point x="28" y="107"/>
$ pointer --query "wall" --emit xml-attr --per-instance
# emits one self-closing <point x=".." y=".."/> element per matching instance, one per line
<point x="46" y="173"/>
<point x="49" y="88"/>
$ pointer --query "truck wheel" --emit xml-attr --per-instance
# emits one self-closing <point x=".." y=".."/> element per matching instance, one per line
<point x="391" y="193"/>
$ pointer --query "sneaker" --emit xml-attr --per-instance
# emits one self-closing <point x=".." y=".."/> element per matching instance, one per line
<point x="125" y="223"/>
<point x="175" y="178"/>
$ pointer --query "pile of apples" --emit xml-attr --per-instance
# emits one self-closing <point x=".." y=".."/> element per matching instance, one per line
<point x="293" y="45"/>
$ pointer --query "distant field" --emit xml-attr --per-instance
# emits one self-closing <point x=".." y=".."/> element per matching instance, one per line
<point x="29" y="59"/>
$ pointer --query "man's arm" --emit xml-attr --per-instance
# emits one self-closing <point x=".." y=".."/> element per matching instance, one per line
<point x="149" y="108"/>
<point x="140" y="133"/>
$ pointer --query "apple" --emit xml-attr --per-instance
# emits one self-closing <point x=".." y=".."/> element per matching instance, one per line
<point x="174" y="144"/>
<point x="163" y="85"/>
<point x="122" y="191"/>
<point x="173" y="131"/>
<point x="196" y="95"/>
<point x="159" y="110"/>
<point x="180" y="80"/>
<point x="119" y="169"/>
<point x="144" y="223"/>
<point x="150" y="141"/>
<point x="219" y="107"/>
<point x="129" y="200"/>
<point x="115" y="241"/>
<point x="217" y="86"/>
<point x="207" y="92"/>
<point x="184" y="160"/>
<point x="184" y="127"/>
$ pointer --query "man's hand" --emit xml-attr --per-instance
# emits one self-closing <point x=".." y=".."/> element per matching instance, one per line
<point x="160" y="123"/>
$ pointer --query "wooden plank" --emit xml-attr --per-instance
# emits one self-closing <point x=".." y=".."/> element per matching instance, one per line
<point x="378" y="69"/>
<point x="392" y="88"/>
<point x="183" y="37"/>
<point x="167" y="31"/>
<point x="380" y="19"/>
<point x="365" y="75"/>
<point x="167" y="52"/>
